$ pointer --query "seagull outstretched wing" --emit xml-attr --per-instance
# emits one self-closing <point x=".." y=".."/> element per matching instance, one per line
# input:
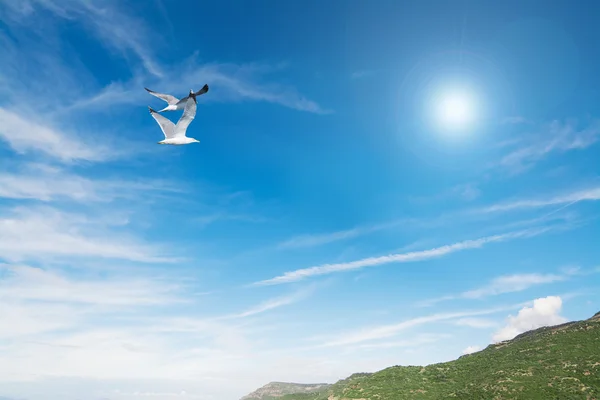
<point x="167" y="126"/>
<point x="198" y="93"/>
<point x="189" y="113"/>
<point x="202" y="91"/>
<point x="166" y="97"/>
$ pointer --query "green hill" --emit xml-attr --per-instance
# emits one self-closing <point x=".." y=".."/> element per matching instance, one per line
<point x="275" y="390"/>
<point x="552" y="363"/>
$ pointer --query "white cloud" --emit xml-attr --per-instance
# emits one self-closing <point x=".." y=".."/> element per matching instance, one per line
<point x="319" y="239"/>
<point x="471" y="349"/>
<point x="399" y="258"/>
<point x="54" y="323"/>
<point x="114" y="28"/>
<point x="274" y="303"/>
<point x="418" y="340"/>
<point x="128" y="34"/>
<point x="478" y="323"/>
<point x="43" y="232"/>
<point x="544" y="312"/>
<point x="25" y="283"/>
<point x="512" y="283"/>
<point x="386" y="331"/>
<point x="505" y="284"/>
<point x="228" y="83"/>
<point x="48" y="183"/>
<point x="556" y="137"/>
<point x="589" y="194"/>
<point x="25" y="135"/>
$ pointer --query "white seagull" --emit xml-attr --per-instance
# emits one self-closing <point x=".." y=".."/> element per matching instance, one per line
<point x="175" y="134"/>
<point x="174" y="102"/>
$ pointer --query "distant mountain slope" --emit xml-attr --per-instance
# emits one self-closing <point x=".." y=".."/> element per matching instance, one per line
<point x="275" y="390"/>
<point x="550" y="363"/>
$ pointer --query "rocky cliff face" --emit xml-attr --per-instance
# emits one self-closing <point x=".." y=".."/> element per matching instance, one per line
<point x="274" y="390"/>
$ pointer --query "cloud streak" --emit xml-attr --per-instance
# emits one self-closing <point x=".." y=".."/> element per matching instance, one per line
<point x="113" y="28"/>
<point x="589" y="194"/>
<point x="386" y="331"/>
<point x="25" y="136"/>
<point x="229" y="83"/>
<point x="43" y="232"/>
<point x="48" y="183"/>
<point x="506" y="284"/>
<point x="414" y="256"/>
<point x="558" y="137"/>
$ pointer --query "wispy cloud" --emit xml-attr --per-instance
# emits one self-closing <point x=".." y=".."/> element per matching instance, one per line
<point x="512" y="283"/>
<point x="225" y="216"/>
<point x="556" y="137"/>
<point x="386" y="331"/>
<point x="465" y="192"/>
<point x="505" y="284"/>
<point x="319" y="239"/>
<point x="300" y="274"/>
<point x="127" y="34"/>
<point x="25" y="135"/>
<point x="478" y="323"/>
<point x="25" y="283"/>
<point x="49" y="183"/>
<point x="228" y="82"/>
<point x="113" y="28"/>
<point x="419" y="340"/>
<point x="274" y="303"/>
<point x="589" y="194"/>
<point x="42" y="232"/>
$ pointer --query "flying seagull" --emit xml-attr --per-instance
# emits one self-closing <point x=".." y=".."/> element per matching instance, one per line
<point x="174" y="102"/>
<point x="175" y="134"/>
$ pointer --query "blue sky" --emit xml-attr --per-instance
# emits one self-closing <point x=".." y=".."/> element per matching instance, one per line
<point x="329" y="221"/>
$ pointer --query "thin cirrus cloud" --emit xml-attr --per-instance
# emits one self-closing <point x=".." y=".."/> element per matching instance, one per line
<point x="557" y="137"/>
<point x="26" y="136"/>
<point x="128" y="35"/>
<point x="504" y="284"/>
<point x="42" y="232"/>
<point x="49" y="183"/>
<point x="25" y="283"/>
<point x="414" y="256"/>
<point x="589" y="194"/>
<point x="391" y="330"/>
<point x="114" y="29"/>
<point x="274" y="303"/>
<point x="228" y="82"/>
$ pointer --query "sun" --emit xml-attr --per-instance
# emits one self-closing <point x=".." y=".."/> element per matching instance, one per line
<point x="455" y="110"/>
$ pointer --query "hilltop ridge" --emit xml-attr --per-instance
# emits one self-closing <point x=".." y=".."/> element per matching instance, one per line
<point x="554" y="362"/>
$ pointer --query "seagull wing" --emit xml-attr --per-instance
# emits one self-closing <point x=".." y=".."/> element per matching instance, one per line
<point x="184" y="100"/>
<point x="166" y="97"/>
<point x="167" y="126"/>
<point x="189" y="113"/>
<point x="202" y="91"/>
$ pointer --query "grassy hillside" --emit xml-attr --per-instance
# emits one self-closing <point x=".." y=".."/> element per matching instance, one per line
<point x="560" y="362"/>
<point x="275" y="390"/>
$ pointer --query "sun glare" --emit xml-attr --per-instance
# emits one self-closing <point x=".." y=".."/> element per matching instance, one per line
<point x="455" y="110"/>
